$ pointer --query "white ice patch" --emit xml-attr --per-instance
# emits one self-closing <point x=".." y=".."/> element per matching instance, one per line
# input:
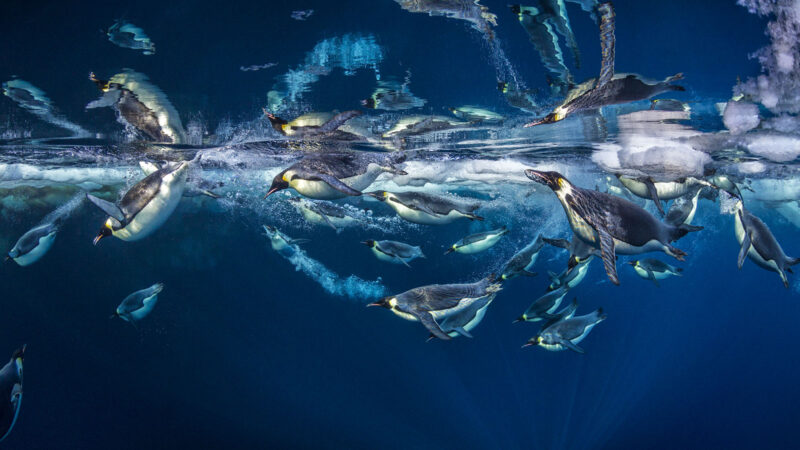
<point x="778" y="148"/>
<point x="751" y="167"/>
<point x="740" y="117"/>
<point x="651" y="156"/>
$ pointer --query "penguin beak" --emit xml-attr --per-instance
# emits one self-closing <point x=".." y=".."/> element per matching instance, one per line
<point x="539" y="177"/>
<point x="367" y="243"/>
<point x="633" y="263"/>
<point x="8" y="258"/>
<point x="528" y="344"/>
<point x="381" y="302"/>
<point x="272" y="191"/>
<point x="376" y="195"/>
<point x="105" y="232"/>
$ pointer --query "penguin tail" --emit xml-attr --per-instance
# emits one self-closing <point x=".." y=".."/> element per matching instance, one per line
<point x="684" y="229"/>
<point x="679" y="269"/>
<point x="474" y="217"/>
<point x="791" y="262"/>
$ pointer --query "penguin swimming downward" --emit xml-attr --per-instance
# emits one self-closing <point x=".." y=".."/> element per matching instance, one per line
<point x="478" y="242"/>
<point x="610" y="223"/>
<point x="608" y="88"/>
<point x="33" y="244"/>
<point x="523" y="261"/>
<point x="434" y="303"/>
<point x="11" y="392"/>
<point x="759" y="244"/>
<point x="568" y="333"/>
<point x="139" y="305"/>
<point x="426" y="209"/>
<point x="394" y="252"/>
<point x="335" y="175"/>
<point x="654" y="270"/>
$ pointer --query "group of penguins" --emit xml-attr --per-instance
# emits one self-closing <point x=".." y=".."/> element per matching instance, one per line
<point x="603" y="224"/>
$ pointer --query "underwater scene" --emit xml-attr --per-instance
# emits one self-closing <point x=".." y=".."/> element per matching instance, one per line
<point x="394" y="224"/>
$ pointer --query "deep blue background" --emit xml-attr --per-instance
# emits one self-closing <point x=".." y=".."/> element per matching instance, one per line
<point x="244" y="352"/>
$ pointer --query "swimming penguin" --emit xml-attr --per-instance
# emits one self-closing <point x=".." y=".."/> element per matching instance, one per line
<point x="468" y="10"/>
<point x="281" y="243"/>
<point x="33" y="244"/>
<point x="646" y="187"/>
<point x="141" y="104"/>
<point x="312" y="124"/>
<point x="464" y="320"/>
<point x="393" y="251"/>
<point x="726" y="183"/>
<point x="683" y="209"/>
<point x="608" y="88"/>
<point x="335" y="175"/>
<point x="478" y="242"/>
<point x="523" y="261"/>
<point x="416" y="125"/>
<point x="571" y="276"/>
<point x="476" y="114"/>
<point x="324" y="212"/>
<point x="543" y="307"/>
<point x="11" y="392"/>
<point x="612" y="224"/>
<point x="434" y="303"/>
<point x="426" y="209"/>
<point x="579" y="251"/>
<point x="139" y="305"/>
<point x="567" y="334"/>
<point x="194" y="186"/>
<point x="758" y="243"/>
<point x="567" y="313"/>
<point x="654" y="270"/>
<point x="146" y="206"/>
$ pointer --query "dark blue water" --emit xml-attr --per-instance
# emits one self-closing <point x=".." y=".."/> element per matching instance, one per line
<point x="244" y="351"/>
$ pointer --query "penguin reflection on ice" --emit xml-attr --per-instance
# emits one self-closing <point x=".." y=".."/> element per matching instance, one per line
<point x="11" y="392"/>
<point x="139" y="305"/>
<point x="435" y="304"/>
<point x="146" y="206"/>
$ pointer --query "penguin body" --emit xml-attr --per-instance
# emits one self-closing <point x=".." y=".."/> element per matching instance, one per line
<point x="683" y="209"/>
<point x="572" y="276"/>
<point x="462" y="322"/>
<point x="11" y="392"/>
<point x="478" y="242"/>
<point x="659" y="191"/>
<point x="313" y="125"/>
<point x="759" y="244"/>
<point x="146" y="206"/>
<point x="334" y="175"/>
<point x="139" y="305"/>
<point x="426" y="209"/>
<point x="433" y="304"/>
<point x="523" y="261"/>
<point x="543" y="307"/>
<point x="34" y="244"/>
<point x="568" y="333"/>
<point x="475" y="114"/>
<point x="281" y="243"/>
<point x="416" y="125"/>
<point x="394" y="252"/>
<point x="654" y="270"/>
<point x="323" y="213"/>
<point x="610" y="223"/>
<point x="194" y="186"/>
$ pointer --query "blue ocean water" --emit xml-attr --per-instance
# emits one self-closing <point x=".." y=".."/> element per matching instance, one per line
<point x="248" y="349"/>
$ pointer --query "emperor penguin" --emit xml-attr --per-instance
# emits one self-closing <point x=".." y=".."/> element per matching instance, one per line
<point x="139" y="305"/>
<point x="579" y="251"/>
<point x="33" y="244"/>
<point x="523" y="261"/>
<point x="478" y="242"/>
<point x="759" y="244"/>
<point x="310" y="125"/>
<point x="394" y="252"/>
<point x="568" y="333"/>
<point x="146" y="206"/>
<point x="571" y="276"/>
<point x="608" y="88"/>
<point x="324" y="212"/>
<point x="654" y="270"/>
<point x="282" y="243"/>
<point x="434" y="303"/>
<point x="543" y="307"/>
<point x="194" y="186"/>
<point x="610" y="223"/>
<point x="683" y="209"/>
<point x="426" y="209"/>
<point x="335" y="175"/>
<point x="11" y="392"/>
<point x="658" y="191"/>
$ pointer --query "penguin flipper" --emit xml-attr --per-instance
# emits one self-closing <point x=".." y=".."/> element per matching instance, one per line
<point x="432" y="326"/>
<point x="560" y="243"/>
<point x="107" y="207"/>
<point x="148" y="167"/>
<point x="607" y="252"/>
<point x="652" y="277"/>
<point x="402" y="261"/>
<point x="338" y="120"/>
<point x="463" y="332"/>
<point x="338" y="184"/>
<point x="568" y="344"/>
<point x="651" y="189"/>
<point x="607" y="43"/>
<point x="746" y="243"/>
<point x="298" y="241"/>
<point x="529" y="274"/>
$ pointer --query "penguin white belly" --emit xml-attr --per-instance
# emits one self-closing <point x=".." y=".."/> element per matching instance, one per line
<point x="653" y="245"/>
<point x="480" y="246"/>
<point x="384" y="257"/>
<point x="311" y="216"/>
<point x="158" y="210"/>
<point x="278" y="243"/>
<point x="552" y="347"/>
<point x="671" y="190"/>
<point x="586" y="331"/>
<point x="145" y="310"/>
<point x="316" y="189"/>
<point x="362" y="181"/>
<point x="751" y="252"/>
<point x="475" y="320"/>
<point x="657" y="275"/>
<point x="531" y="263"/>
<point x="405" y="315"/>
<point x="416" y="216"/>
<point x="690" y="217"/>
<point x="582" y="269"/>
<point x="37" y="252"/>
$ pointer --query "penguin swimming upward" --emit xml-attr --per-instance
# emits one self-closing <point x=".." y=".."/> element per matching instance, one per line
<point x="281" y="243"/>
<point x="335" y="175"/>
<point x="33" y="244"/>
<point x="478" y="242"/>
<point x="11" y="392"/>
<point x="394" y="252"/>
<point x="426" y="209"/>
<point x="567" y="334"/>
<point x="543" y="307"/>
<point x="523" y="261"/>
<point x="683" y="209"/>
<point x="759" y="244"/>
<point x="610" y="223"/>
<point x="571" y="276"/>
<point x="608" y="88"/>
<point x="146" y="206"/>
<point x="433" y="304"/>
<point x="139" y="305"/>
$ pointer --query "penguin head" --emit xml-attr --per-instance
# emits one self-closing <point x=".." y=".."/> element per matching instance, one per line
<point x="553" y="117"/>
<point x="386" y="302"/>
<point x="379" y="195"/>
<point x="369" y="243"/>
<point x="106" y="231"/>
<point x="101" y="84"/>
<point x="278" y="183"/>
<point x="14" y="253"/>
<point x="553" y="180"/>
<point x="515" y="9"/>
<point x="368" y="103"/>
<point x="536" y="340"/>
<point x="276" y="122"/>
<point x="634" y="263"/>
